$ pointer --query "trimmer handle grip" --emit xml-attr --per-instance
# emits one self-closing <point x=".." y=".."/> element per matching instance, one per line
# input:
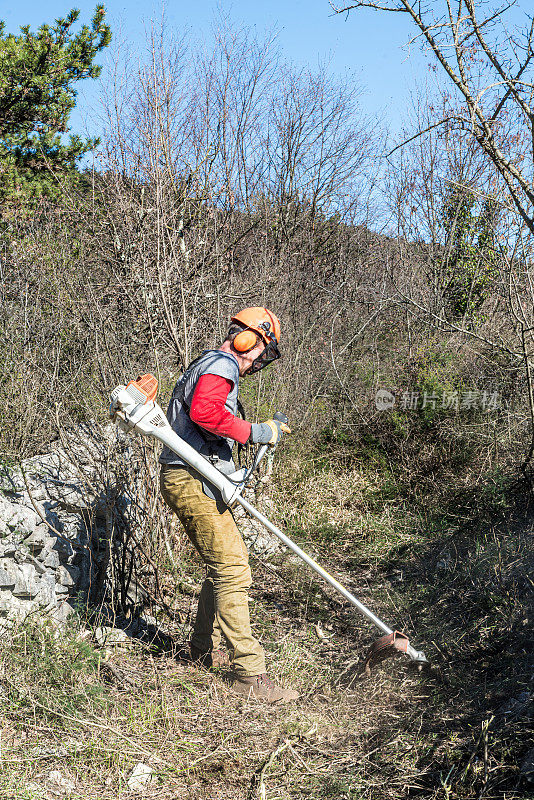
<point x="264" y="448"/>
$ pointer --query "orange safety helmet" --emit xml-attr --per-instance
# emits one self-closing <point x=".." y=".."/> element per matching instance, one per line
<point x="257" y="321"/>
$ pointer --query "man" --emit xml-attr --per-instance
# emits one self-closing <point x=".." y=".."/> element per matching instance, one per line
<point x="203" y="411"/>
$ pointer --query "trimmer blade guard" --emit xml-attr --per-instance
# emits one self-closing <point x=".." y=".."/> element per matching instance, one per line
<point x="393" y="644"/>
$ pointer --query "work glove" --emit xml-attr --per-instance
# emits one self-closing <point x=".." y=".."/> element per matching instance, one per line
<point x="268" y="432"/>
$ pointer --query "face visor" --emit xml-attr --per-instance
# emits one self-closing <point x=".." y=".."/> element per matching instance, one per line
<point x="270" y="354"/>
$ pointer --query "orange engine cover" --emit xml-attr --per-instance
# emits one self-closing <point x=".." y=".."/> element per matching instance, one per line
<point x="147" y="385"/>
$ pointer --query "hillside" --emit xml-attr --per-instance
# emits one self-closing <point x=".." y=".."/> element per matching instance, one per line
<point x="402" y="278"/>
<point x="79" y="716"/>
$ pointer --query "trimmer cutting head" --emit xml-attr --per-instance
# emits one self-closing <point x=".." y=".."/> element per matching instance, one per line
<point x="393" y="644"/>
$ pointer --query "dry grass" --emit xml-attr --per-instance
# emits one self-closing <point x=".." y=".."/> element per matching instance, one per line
<point x="460" y="732"/>
<point x="202" y="741"/>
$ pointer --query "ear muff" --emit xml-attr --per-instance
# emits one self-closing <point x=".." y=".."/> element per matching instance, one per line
<point x="245" y="341"/>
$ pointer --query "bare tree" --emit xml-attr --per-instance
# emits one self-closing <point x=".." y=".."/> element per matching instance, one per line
<point x="491" y="68"/>
<point x="466" y="254"/>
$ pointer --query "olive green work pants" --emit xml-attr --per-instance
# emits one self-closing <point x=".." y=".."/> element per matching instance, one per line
<point x="222" y="613"/>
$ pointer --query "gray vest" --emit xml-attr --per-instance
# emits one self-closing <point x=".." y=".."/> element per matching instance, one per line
<point x="215" y="448"/>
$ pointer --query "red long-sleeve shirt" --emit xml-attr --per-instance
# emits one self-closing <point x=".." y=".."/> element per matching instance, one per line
<point x="208" y="411"/>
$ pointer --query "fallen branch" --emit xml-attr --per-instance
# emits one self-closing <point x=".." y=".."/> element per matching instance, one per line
<point x="258" y="782"/>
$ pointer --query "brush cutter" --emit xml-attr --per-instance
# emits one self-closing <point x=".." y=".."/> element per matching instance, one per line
<point x="134" y="408"/>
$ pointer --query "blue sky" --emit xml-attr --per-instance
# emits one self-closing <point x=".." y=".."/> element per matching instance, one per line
<point x="367" y="46"/>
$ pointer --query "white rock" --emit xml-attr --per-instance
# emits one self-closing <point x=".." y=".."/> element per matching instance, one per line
<point x="20" y="610"/>
<point x="7" y="549"/>
<point x="61" y="613"/>
<point x="46" y="595"/>
<point x="62" y="781"/>
<point x="50" y="558"/>
<point x="112" y="636"/>
<point x="39" y="538"/>
<point x="27" y="584"/>
<point x="39" y="568"/>
<point x="140" y="777"/>
<point x="7" y="579"/>
<point x="6" y="513"/>
<point x="67" y="576"/>
<point x="6" y="601"/>
<point x="22" y="519"/>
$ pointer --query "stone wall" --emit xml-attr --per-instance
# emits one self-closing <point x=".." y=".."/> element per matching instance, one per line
<point x="56" y="515"/>
<point x="53" y="520"/>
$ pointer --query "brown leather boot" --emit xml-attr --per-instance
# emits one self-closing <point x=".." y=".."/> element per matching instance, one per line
<point x="262" y="687"/>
